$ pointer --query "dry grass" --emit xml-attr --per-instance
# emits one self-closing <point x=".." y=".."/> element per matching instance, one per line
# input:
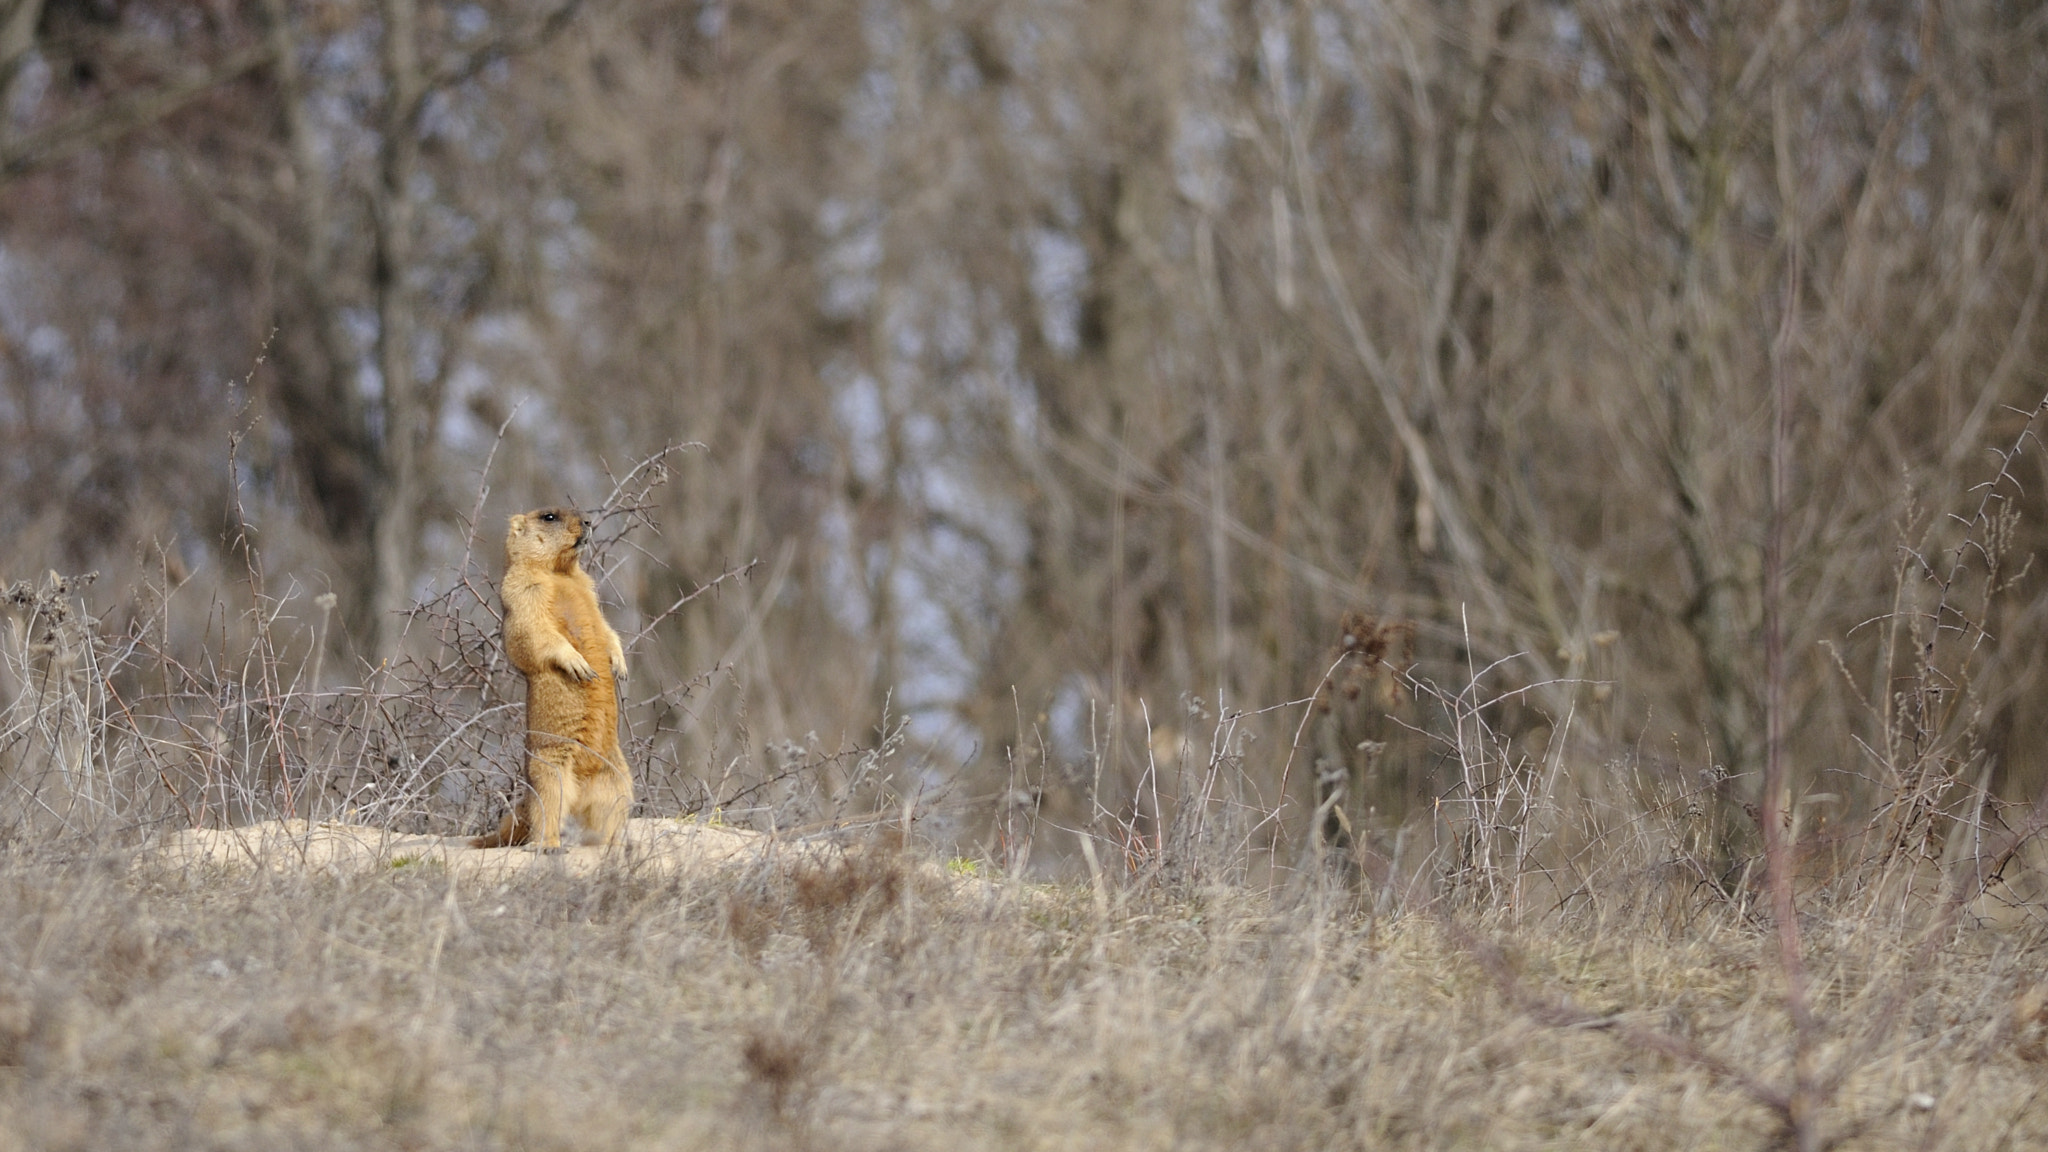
<point x="778" y="1002"/>
<point x="1562" y="950"/>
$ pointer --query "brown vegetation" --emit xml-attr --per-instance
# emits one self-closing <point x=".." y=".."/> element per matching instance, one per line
<point x="398" y="1007"/>
<point x="1093" y="356"/>
<point x="1029" y="400"/>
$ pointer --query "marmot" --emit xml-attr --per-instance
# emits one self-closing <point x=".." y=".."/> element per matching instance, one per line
<point x="556" y="636"/>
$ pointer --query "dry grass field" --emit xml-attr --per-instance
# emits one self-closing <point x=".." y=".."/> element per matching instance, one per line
<point x="233" y="914"/>
<point x="1384" y="574"/>
<point x="871" y="998"/>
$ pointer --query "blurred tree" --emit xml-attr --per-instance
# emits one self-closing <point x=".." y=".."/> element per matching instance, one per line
<point x="1068" y="365"/>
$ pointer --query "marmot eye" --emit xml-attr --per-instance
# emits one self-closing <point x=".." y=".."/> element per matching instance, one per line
<point x="550" y="517"/>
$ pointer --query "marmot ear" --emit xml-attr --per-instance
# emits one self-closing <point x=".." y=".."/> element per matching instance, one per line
<point x="519" y="522"/>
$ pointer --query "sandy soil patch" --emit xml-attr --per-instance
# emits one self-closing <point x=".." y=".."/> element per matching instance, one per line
<point x="663" y="844"/>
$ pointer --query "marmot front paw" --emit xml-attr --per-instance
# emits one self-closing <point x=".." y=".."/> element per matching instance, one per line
<point x="575" y="667"/>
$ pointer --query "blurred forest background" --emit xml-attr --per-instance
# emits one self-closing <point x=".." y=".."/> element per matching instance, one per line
<point x="1071" y="366"/>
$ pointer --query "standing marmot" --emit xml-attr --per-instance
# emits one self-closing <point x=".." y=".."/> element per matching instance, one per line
<point x="555" y="634"/>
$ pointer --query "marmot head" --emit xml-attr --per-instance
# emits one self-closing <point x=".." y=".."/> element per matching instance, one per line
<point x="546" y="536"/>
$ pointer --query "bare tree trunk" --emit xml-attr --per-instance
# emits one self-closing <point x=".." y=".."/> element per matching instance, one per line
<point x="1700" y="388"/>
<point x="394" y="543"/>
<point x="316" y="386"/>
<point x="17" y="38"/>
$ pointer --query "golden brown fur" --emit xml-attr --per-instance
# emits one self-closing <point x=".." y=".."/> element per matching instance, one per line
<point x="556" y="636"/>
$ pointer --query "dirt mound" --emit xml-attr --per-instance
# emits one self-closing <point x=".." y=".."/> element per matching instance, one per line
<point x="664" y="844"/>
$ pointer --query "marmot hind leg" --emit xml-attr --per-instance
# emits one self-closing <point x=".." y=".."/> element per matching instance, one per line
<point x="552" y="793"/>
<point x="536" y="816"/>
<point x="602" y="808"/>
